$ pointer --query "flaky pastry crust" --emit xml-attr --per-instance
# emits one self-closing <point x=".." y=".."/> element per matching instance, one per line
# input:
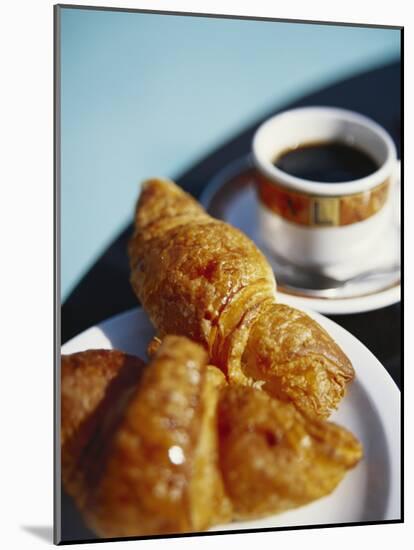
<point x="174" y="448"/>
<point x="91" y="381"/>
<point x="273" y="458"/>
<point x="150" y="464"/>
<point x="204" y="279"/>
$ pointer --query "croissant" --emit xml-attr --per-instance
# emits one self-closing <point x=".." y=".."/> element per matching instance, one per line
<point x="274" y="458"/>
<point x="174" y="448"/>
<point x="90" y="382"/>
<point x="202" y="278"/>
<point x="149" y="464"/>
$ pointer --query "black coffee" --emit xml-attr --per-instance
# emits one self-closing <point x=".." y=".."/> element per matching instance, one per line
<point x="327" y="162"/>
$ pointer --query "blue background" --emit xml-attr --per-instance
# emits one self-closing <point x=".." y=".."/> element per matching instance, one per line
<point x="145" y="95"/>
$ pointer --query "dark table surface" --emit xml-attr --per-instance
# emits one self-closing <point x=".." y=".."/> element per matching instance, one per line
<point x="105" y="289"/>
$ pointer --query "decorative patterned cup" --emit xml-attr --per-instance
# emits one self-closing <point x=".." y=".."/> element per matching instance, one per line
<point x="315" y="224"/>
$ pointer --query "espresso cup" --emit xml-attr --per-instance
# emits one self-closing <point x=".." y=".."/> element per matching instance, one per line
<point x="313" y="223"/>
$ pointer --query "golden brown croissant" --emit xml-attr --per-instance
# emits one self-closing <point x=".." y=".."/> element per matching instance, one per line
<point x="150" y="465"/>
<point x="200" y="277"/>
<point x="91" y="382"/>
<point x="173" y="448"/>
<point x="274" y="458"/>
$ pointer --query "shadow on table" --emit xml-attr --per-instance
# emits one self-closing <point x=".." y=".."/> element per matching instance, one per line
<point x="44" y="532"/>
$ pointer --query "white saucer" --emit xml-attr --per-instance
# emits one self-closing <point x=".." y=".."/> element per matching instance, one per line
<point x="231" y="196"/>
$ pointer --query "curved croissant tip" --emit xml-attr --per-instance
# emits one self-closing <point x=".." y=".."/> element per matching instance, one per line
<point x="156" y="181"/>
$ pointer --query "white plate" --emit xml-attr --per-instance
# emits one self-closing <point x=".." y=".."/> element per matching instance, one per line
<point x="231" y="196"/>
<point x="371" y="410"/>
